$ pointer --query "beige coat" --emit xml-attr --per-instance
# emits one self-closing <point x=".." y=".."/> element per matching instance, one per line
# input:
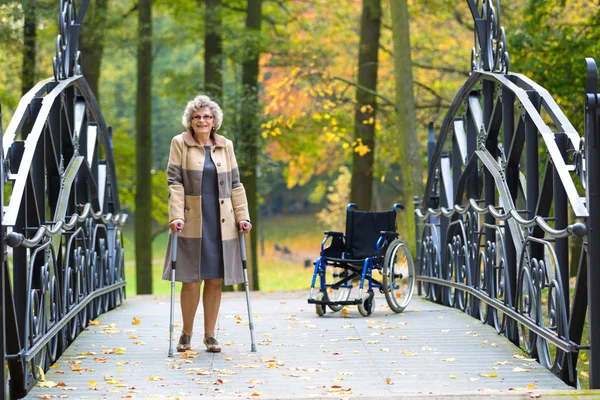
<point x="184" y="176"/>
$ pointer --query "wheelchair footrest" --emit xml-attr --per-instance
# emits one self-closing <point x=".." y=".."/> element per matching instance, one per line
<point x="336" y="303"/>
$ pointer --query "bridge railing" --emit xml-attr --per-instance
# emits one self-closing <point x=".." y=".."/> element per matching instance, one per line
<point x="62" y="245"/>
<point x="506" y="175"/>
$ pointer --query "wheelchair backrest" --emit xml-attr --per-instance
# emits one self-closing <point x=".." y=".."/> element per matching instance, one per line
<point x="363" y="229"/>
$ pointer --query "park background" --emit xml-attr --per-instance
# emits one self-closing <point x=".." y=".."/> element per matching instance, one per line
<point x="295" y="80"/>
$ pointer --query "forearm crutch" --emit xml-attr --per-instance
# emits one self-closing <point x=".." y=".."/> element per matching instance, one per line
<point x="173" y="266"/>
<point x="247" y="287"/>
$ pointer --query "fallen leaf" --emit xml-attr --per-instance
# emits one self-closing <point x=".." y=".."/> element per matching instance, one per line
<point x="136" y="321"/>
<point x="389" y="381"/>
<point x="519" y="369"/>
<point x="95" y="322"/>
<point x="490" y="375"/>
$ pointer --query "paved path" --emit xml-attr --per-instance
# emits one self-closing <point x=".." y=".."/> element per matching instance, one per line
<point x="428" y="351"/>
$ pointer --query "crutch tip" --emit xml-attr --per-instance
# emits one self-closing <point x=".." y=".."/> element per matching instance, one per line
<point x="253" y="349"/>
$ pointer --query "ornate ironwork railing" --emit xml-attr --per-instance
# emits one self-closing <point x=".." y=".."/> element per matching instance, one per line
<point x="62" y="246"/>
<point x="506" y="171"/>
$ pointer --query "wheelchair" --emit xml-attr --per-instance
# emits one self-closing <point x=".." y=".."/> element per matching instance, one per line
<point x="369" y="249"/>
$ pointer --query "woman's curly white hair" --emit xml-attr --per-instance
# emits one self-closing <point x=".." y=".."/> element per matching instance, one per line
<point x="198" y="104"/>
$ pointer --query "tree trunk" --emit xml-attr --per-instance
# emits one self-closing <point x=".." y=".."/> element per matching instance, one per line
<point x="29" y="43"/>
<point x="213" y="51"/>
<point x="143" y="116"/>
<point x="406" y="120"/>
<point x="91" y="43"/>
<point x="247" y="142"/>
<point x="366" y="103"/>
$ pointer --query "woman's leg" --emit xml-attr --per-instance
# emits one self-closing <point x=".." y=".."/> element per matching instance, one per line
<point x="190" y="297"/>
<point x="211" y="298"/>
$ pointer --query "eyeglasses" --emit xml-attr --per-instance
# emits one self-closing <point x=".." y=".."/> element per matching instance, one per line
<point x="204" y="117"/>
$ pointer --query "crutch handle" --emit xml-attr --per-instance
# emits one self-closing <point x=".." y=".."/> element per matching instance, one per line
<point x="243" y="249"/>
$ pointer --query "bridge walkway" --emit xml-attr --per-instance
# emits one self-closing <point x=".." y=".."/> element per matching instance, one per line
<point x="428" y="351"/>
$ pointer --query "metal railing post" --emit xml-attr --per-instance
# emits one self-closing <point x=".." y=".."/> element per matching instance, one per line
<point x="592" y="158"/>
<point x="3" y="380"/>
<point x="418" y="241"/>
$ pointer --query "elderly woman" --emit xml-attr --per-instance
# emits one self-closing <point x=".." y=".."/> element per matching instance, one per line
<point x="208" y="207"/>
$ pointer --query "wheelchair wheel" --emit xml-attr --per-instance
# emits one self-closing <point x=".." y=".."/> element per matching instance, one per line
<point x="398" y="276"/>
<point x="367" y="306"/>
<point x="341" y="294"/>
<point x="320" y="308"/>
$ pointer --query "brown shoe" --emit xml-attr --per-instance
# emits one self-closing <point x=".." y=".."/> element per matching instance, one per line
<point x="212" y="346"/>
<point x="185" y="343"/>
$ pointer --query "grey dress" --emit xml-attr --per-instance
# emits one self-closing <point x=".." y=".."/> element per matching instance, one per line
<point x="211" y="260"/>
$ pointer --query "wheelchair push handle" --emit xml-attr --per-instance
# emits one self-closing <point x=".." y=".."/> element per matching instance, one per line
<point x="398" y="206"/>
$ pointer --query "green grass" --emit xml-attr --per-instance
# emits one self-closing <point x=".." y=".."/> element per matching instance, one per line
<point x="276" y="271"/>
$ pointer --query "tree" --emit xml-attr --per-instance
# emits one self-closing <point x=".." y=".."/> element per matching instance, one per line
<point x="91" y="43"/>
<point x="247" y="142"/>
<point x="29" y="43"/>
<point x="406" y="121"/>
<point x="143" y="116"/>
<point x="366" y="103"/>
<point x="213" y="50"/>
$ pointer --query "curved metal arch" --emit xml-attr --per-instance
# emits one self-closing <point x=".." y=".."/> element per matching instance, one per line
<point x="34" y="137"/>
<point x="476" y="77"/>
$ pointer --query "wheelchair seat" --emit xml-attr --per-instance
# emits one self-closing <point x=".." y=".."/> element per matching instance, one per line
<point x="355" y="255"/>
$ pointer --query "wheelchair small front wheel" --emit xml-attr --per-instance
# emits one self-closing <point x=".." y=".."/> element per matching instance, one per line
<point x="367" y="306"/>
<point x="398" y="276"/>
<point x="320" y="308"/>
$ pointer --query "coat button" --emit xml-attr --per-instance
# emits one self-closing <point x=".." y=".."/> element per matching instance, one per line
<point x="222" y="201"/>
<point x="218" y="164"/>
<point x="223" y="220"/>
<point x="221" y="182"/>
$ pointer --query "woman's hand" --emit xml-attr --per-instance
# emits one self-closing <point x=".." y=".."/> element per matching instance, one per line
<point x="244" y="227"/>
<point x="176" y="225"/>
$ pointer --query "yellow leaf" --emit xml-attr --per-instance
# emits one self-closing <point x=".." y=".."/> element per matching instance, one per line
<point x="92" y="383"/>
<point x="136" y="321"/>
<point x="490" y="375"/>
<point x="389" y="381"/>
<point x="95" y="322"/>
<point x="41" y="371"/>
<point x="453" y="376"/>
